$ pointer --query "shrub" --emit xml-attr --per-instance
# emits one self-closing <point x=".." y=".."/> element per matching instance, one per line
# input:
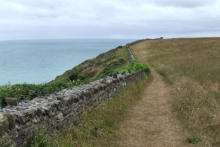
<point x="111" y="68"/>
<point x="120" y="46"/>
<point x="135" y="67"/>
<point x="30" y="91"/>
<point x="193" y="140"/>
<point x="74" y="76"/>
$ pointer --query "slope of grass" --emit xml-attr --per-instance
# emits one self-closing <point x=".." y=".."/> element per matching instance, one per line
<point x="99" y="127"/>
<point x="192" y="67"/>
<point x="93" y="67"/>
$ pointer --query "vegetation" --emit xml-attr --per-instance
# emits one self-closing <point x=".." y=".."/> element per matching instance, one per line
<point x="92" y="68"/>
<point x="30" y="91"/>
<point x="98" y="127"/>
<point x="135" y="67"/>
<point x="112" y="68"/>
<point x="118" y="67"/>
<point x="191" y="67"/>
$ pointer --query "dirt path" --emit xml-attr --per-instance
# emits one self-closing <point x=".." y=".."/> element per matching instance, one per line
<point x="151" y="123"/>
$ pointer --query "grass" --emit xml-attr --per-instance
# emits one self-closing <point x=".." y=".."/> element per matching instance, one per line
<point x="92" y="68"/>
<point x="112" y="68"/>
<point x="98" y="127"/>
<point x="191" y="67"/>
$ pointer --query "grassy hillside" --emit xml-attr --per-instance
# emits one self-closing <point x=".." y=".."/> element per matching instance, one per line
<point x="103" y="65"/>
<point x="192" y="68"/>
<point x="94" y="68"/>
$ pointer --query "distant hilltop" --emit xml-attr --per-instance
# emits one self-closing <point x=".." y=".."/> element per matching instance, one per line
<point x="137" y="41"/>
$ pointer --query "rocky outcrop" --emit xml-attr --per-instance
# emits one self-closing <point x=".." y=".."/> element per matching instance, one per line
<point x="17" y="123"/>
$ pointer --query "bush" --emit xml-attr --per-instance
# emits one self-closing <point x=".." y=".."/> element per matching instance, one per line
<point x="118" y="67"/>
<point x="30" y="91"/>
<point x="120" y="46"/>
<point x="76" y="76"/>
<point x="111" y="68"/>
<point x="193" y="140"/>
<point x="134" y="68"/>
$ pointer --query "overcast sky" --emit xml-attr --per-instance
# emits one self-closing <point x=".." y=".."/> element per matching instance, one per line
<point x="39" y="19"/>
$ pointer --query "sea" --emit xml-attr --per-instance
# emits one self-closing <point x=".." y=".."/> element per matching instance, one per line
<point x="40" y="61"/>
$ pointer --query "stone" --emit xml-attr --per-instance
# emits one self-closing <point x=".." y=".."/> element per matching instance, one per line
<point x="60" y="116"/>
<point x="11" y="101"/>
<point x="35" y="120"/>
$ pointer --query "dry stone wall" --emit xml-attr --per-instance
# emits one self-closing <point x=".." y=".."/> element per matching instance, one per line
<point x="130" y="54"/>
<point x="19" y="122"/>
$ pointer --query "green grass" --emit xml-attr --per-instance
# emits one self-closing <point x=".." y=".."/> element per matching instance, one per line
<point x="191" y="67"/>
<point x="112" y="68"/>
<point x="135" y="67"/>
<point x="98" y="127"/>
<point x="92" y="68"/>
<point x="30" y="91"/>
<point x="119" y="67"/>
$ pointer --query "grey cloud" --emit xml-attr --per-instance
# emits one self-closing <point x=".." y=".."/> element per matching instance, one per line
<point x="30" y="19"/>
<point x="174" y="3"/>
<point x="183" y="3"/>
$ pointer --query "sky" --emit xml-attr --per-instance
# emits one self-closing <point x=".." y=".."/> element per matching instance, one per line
<point x="53" y="19"/>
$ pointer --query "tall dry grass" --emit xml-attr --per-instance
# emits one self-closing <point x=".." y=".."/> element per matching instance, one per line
<point x="192" y="67"/>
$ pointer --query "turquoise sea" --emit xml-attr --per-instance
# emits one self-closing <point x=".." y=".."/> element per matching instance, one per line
<point x="40" y="61"/>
